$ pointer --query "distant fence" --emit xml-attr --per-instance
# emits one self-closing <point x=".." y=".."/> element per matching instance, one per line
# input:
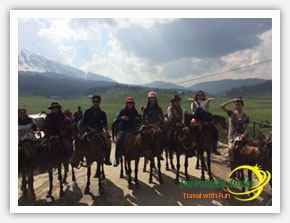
<point x="260" y="125"/>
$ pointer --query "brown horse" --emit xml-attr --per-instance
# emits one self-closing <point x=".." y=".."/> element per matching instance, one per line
<point x="203" y="133"/>
<point x="51" y="155"/>
<point x="157" y="143"/>
<point x="92" y="148"/>
<point x="26" y="165"/>
<point x="252" y="153"/>
<point x="134" y="144"/>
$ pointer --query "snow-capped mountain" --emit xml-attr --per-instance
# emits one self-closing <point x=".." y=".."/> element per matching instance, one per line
<point x="32" y="62"/>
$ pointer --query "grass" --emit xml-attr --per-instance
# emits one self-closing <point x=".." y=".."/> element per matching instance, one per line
<point x="258" y="109"/>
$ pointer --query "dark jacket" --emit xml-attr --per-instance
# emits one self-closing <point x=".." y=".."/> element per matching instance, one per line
<point x="95" y="118"/>
<point x="152" y="114"/>
<point x="57" y="124"/>
<point x="131" y="123"/>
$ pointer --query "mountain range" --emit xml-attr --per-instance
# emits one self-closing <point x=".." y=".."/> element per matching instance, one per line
<point x="43" y="76"/>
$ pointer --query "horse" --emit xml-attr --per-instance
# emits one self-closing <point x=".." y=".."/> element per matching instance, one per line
<point x="92" y="148"/>
<point x="51" y="155"/>
<point x="203" y="133"/>
<point x="115" y="129"/>
<point x="252" y="153"/>
<point x="182" y="142"/>
<point x="133" y="145"/>
<point x="157" y="148"/>
<point x="26" y="164"/>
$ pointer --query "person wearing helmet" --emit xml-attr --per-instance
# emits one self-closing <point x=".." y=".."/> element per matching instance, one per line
<point x="127" y="118"/>
<point x="152" y="113"/>
<point x="175" y="115"/>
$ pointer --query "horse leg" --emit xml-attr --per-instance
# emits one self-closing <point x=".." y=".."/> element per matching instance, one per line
<point x="50" y="183"/>
<point x="73" y="174"/>
<point x="61" y="192"/>
<point x="145" y="163"/>
<point x="136" y="173"/>
<point x="101" y="190"/>
<point x="202" y="166"/>
<point x="151" y="170"/>
<point x="103" y="172"/>
<point x="171" y="163"/>
<point x="122" y="171"/>
<point x="30" y="184"/>
<point x="23" y="183"/>
<point x="197" y="161"/>
<point x="186" y="166"/>
<point x="87" y="189"/>
<point x="166" y="155"/>
<point x="243" y="179"/>
<point x="130" y="186"/>
<point x="65" y="164"/>
<point x="177" y="170"/>
<point x="250" y="179"/>
<point x="209" y="165"/>
<point x="159" y="171"/>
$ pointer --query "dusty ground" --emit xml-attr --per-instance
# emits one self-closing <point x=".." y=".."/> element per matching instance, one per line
<point x="117" y="192"/>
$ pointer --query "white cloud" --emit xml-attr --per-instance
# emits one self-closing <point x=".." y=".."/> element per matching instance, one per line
<point x="68" y="53"/>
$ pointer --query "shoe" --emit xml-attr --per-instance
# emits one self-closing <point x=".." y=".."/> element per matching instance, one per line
<point x="108" y="163"/>
<point x="116" y="163"/>
<point x="217" y="152"/>
<point x="161" y="158"/>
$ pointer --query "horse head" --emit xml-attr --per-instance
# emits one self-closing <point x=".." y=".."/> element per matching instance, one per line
<point x="216" y="119"/>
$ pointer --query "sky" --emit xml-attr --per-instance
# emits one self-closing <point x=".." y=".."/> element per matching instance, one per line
<point x="138" y="51"/>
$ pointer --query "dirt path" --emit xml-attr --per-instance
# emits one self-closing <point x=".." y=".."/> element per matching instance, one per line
<point x="118" y="194"/>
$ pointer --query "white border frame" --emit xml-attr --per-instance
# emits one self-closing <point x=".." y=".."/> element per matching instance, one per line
<point x="16" y="14"/>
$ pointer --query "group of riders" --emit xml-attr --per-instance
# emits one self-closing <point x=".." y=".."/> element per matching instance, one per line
<point x="57" y="124"/>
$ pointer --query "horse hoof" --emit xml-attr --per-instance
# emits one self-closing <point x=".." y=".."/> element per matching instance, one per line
<point x="61" y="193"/>
<point x="176" y="181"/>
<point x="130" y="186"/>
<point x="64" y="182"/>
<point x="87" y="191"/>
<point x="150" y="181"/>
<point x="210" y="178"/>
<point x="96" y="176"/>
<point x="167" y="168"/>
<point x="74" y="179"/>
<point x="33" y="197"/>
<point x="144" y="170"/>
<point x="173" y="167"/>
<point x="187" y="178"/>
<point x="121" y="175"/>
<point x="48" y="195"/>
<point x="197" y="167"/>
<point x="202" y="178"/>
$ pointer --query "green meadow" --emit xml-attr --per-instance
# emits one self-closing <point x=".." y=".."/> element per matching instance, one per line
<point x="258" y="108"/>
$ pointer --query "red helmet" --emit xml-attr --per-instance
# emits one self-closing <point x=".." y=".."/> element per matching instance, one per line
<point x="152" y="94"/>
<point x="130" y="99"/>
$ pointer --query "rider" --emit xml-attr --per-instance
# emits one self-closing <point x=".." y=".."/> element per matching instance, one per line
<point x="128" y="118"/>
<point x="175" y="118"/>
<point x="238" y="125"/>
<point x="96" y="119"/>
<point x="201" y="102"/>
<point x="152" y="113"/>
<point x="57" y="126"/>
<point x="26" y="126"/>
